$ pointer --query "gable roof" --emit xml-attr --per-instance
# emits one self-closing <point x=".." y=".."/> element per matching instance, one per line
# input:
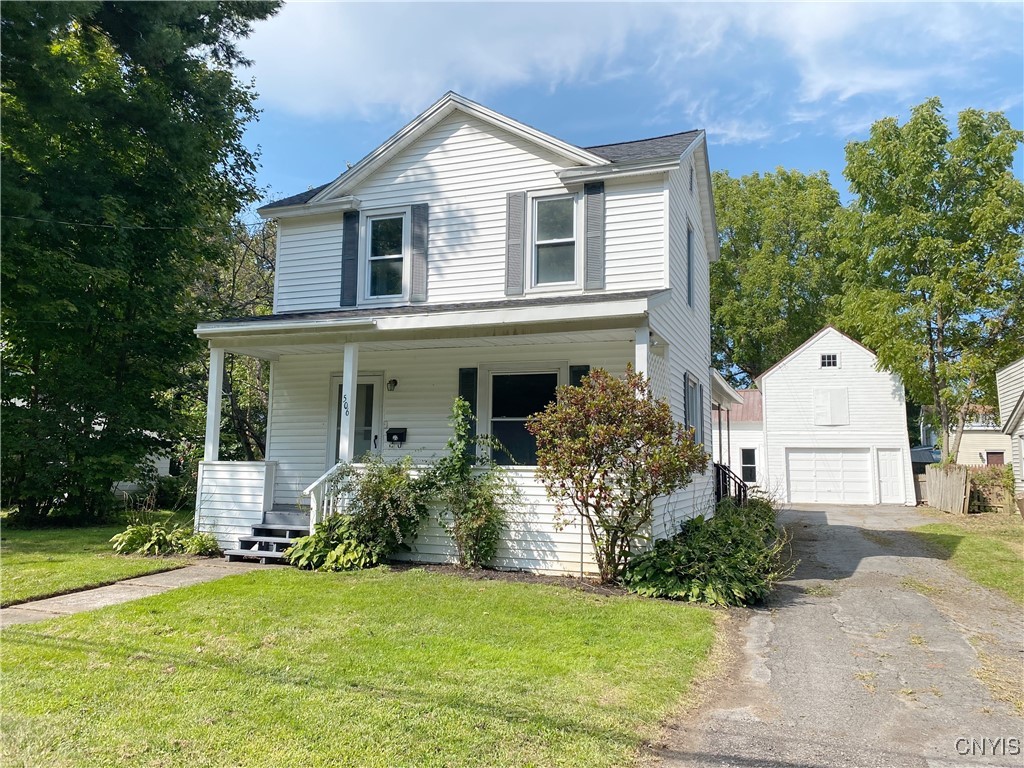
<point x="811" y="340"/>
<point x="642" y="150"/>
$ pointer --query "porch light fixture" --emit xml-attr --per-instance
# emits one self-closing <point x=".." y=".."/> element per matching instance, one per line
<point x="392" y="385"/>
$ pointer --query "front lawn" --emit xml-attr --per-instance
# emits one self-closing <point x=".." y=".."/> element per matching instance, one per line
<point x="988" y="548"/>
<point x="51" y="561"/>
<point x="376" y="668"/>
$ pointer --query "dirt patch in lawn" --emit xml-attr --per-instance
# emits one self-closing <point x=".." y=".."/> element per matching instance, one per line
<point x="589" y="586"/>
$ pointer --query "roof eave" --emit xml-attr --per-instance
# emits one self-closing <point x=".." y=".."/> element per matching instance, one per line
<point x="618" y="170"/>
<point x="340" y="204"/>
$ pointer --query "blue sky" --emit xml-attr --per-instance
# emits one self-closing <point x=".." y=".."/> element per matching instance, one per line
<point x="774" y="84"/>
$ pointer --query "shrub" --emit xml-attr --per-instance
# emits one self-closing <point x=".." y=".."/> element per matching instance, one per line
<point x="202" y="544"/>
<point x="607" y="449"/>
<point x="734" y="558"/>
<point x="385" y="505"/>
<point x="150" y="539"/>
<point x="475" y="493"/>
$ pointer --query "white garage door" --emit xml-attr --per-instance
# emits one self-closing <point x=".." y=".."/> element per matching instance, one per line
<point x="840" y="475"/>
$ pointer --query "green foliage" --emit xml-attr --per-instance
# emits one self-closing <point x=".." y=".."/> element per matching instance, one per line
<point x="122" y="164"/>
<point x="385" y="506"/>
<point x="163" y="538"/>
<point x="475" y="493"/>
<point x="735" y="558"/>
<point x="606" y="449"/>
<point x="778" y="280"/>
<point x="937" y="286"/>
<point x="201" y="544"/>
<point x="149" y="539"/>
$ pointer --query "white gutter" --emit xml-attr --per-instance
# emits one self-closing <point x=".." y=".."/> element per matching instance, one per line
<point x="617" y="171"/>
<point x="478" y="316"/>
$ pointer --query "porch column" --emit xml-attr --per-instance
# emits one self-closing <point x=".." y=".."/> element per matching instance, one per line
<point x="643" y="347"/>
<point x="719" y="409"/>
<point x="728" y="436"/>
<point x="349" y="379"/>
<point x="213" y="398"/>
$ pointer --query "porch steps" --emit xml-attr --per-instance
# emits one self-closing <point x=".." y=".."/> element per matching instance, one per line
<point x="269" y="539"/>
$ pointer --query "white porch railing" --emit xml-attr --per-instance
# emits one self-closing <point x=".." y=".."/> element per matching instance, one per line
<point x="325" y="498"/>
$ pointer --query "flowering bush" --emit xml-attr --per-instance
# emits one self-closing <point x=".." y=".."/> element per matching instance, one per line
<point x="606" y="449"/>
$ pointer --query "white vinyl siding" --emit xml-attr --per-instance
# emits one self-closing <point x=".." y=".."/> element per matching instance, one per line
<point x="428" y="383"/>
<point x="234" y="495"/>
<point x="308" y="271"/>
<point x="464" y="168"/>
<point x="852" y="410"/>
<point x="685" y="329"/>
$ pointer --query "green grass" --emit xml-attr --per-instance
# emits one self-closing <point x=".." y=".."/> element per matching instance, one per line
<point x="987" y="548"/>
<point x="40" y="563"/>
<point x="374" y="668"/>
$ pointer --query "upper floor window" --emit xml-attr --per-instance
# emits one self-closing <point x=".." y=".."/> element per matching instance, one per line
<point x="387" y="236"/>
<point x="554" y="240"/>
<point x="830" y="360"/>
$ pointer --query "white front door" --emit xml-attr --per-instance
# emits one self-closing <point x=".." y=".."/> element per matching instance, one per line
<point x="890" y="477"/>
<point x="368" y="417"/>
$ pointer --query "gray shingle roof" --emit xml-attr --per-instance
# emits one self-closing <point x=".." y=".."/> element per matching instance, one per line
<point x="657" y="148"/>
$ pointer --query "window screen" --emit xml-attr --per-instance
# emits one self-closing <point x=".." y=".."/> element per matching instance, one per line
<point x="514" y="398"/>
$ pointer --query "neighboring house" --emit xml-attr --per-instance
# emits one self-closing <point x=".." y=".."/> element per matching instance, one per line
<point x="1010" y="391"/>
<point x="744" y="439"/>
<point x="835" y="427"/>
<point x="469" y="255"/>
<point x="982" y="441"/>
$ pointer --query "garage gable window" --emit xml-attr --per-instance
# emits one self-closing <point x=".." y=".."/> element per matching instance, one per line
<point x="831" y="407"/>
<point x="830" y="360"/>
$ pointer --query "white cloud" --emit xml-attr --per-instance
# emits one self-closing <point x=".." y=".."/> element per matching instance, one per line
<point x="745" y="71"/>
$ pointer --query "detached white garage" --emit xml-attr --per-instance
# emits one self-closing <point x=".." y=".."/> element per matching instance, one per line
<point x="835" y="427"/>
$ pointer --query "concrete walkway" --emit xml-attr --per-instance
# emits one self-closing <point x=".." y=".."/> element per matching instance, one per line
<point x="874" y="654"/>
<point x="122" y="591"/>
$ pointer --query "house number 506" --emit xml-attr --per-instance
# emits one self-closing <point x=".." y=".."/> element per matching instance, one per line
<point x="344" y="404"/>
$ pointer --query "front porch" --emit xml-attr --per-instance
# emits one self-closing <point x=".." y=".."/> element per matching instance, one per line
<point x="337" y="395"/>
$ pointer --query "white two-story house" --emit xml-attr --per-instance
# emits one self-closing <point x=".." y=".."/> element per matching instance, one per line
<point x="469" y="255"/>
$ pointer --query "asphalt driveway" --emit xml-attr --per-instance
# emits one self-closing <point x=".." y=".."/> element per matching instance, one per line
<point x="874" y="654"/>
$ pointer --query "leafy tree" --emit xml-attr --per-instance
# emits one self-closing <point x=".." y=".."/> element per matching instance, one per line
<point x="606" y="449"/>
<point x="122" y="167"/>
<point x="778" y="280"/>
<point x="937" y="288"/>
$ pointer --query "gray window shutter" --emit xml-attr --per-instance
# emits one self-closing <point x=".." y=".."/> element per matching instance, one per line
<point x="515" y="243"/>
<point x="700" y="417"/>
<point x="349" y="258"/>
<point x="593" y="258"/>
<point x="686" y="400"/>
<point x="420" y="238"/>
<point x="577" y="373"/>
<point x="467" y="391"/>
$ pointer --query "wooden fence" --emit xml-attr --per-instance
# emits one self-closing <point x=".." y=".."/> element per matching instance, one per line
<point x="949" y="488"/>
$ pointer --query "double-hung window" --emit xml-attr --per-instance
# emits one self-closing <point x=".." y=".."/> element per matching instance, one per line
<point x="387" y="236"/>
<point x="748" y="464"/>
<point x="514" y="396"/>
<point x="554" y="240"/>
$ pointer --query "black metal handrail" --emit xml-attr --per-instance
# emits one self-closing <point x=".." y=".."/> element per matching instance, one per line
<point x="729" y="485"/>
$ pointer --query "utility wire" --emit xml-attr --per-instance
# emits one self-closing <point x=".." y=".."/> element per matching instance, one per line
<point x="246" y="225"/>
